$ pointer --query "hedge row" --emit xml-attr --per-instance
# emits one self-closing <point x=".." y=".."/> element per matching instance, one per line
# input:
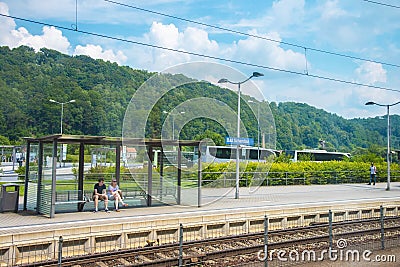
<point x="306" y="172"/>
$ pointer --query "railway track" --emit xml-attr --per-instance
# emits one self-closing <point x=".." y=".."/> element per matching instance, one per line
<point x="239" y="249"/>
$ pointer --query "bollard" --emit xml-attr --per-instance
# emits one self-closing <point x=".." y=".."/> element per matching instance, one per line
<point x="266" y="240"/>
<point x="330" y="231"/>
<point x="60" y="246"/>
<point x="382" y="228"/>
<point x="180" y="245"/>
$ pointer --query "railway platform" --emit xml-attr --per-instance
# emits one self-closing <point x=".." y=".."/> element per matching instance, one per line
<point x="273" y="198"/>
<point x="25" y="235"/>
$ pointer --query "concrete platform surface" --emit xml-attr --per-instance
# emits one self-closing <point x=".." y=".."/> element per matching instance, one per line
<point x="264" y="199"/>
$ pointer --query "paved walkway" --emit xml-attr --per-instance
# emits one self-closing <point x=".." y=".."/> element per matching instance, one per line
<point x="265" y="198"/>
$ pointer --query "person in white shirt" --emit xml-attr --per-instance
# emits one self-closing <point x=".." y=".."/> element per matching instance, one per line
<point x="372" y="173"/>
<point x="114" y="193"/>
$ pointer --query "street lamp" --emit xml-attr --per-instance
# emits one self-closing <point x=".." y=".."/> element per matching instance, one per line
<point x="255" y="74"/>
<point x="62" y="111"/>
<point x="258" y="129"/>
<point x="173" y="121"/>
<point x="388" y="137"/>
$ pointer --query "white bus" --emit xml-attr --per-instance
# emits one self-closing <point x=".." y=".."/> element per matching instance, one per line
<point x="316" y="155"/>
<point x="228" y="153"/>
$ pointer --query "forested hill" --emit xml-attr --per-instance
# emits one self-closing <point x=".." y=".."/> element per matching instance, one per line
<point x="302" y="126"/>
<point x="103" y="90"/>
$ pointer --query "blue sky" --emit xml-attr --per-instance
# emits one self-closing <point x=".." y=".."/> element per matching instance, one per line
<point x="352" y="27"/>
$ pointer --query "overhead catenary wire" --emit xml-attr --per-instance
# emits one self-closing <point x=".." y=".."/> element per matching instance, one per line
<point x="200" y="55"/>
<point x="253" y="35"/>
<point x="381" y="4"/>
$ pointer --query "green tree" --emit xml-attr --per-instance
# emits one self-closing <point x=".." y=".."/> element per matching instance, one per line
<point x="4" y="140"/>
<point x="215" y="137"/>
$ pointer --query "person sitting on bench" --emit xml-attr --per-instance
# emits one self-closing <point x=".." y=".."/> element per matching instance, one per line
<point x="99" y="193"/>
<point x="114" y="193"/>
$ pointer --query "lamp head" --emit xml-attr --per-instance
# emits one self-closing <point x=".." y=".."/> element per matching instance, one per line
<point x="165" y="112"/>
<point x="257" y="74"/>
<point x="52" y="100"/>
<point x="223" y="80"/>
<point x="370" y="103"/>
<point x="72" y="101"/>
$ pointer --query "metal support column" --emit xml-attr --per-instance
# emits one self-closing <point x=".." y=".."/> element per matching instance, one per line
<point x="26" y="181"/>
<point x="60" y="247"/>
<point x="382" y="219"/>
<point x="266" y="240"/>
<point x="40" y="177"/>
<point x="199" y="178"/>
<point x="81" y="168"/>
<point x="53" y="179"/>
<point x="179" y="193"/>
<point x="149" y="175"/>
<point x="161" y="162"/>
<point x="118" y="163"/>
<point x="330" y="231"/>
<point x="14" y="155"/>
<point x="180" y="261"/>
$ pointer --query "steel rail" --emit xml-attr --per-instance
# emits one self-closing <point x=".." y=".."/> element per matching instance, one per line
<point x="165" y="248"/>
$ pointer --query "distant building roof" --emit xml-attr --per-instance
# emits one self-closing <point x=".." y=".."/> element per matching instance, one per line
<point x="131" y="150"/>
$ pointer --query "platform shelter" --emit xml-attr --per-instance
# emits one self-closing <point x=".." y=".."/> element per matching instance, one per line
<point x="41" y="191"/>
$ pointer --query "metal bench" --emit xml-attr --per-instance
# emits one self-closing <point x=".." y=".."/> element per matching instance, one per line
<point x="129" y="195"/>
<point x="64" y="197"/>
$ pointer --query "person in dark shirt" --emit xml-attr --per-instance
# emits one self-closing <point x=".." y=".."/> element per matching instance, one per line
<point x="99" y="193"/>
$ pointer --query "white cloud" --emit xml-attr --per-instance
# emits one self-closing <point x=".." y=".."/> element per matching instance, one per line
<point x="168" y="35"/>
<point x="371" y="73"/>
<point x="51" y="38"/>
<point x="266" y="53"/>
<point x="331" y="10"/>
<point x="97" y="52"/>
<point x="165" y="35"/>
<point x="198" y="40"/>
<point x="282" y="14"/>
<point x="252" y="50"/>
<point x="10" y="36"/>
<point x="7" y="25"/>
<point x="288" y="11"/>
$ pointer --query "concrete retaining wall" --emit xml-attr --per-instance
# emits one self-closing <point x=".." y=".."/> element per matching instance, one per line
<point x="41" y="245"/>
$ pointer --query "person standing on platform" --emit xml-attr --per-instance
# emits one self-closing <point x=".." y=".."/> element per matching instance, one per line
<point x="372" y="174"/>
<point x="99" y="193"/>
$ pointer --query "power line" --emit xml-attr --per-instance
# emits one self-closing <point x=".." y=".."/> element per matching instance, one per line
<point x="201" y="55"/>
<point x="382" y="4"/>
<point x="253" y="35"/>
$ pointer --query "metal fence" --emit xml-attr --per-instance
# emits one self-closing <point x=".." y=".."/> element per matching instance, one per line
<point x="227" y="179"/>
<point x="383" y="235"/>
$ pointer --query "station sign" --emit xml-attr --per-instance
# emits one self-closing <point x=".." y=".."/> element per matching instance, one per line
<point x="239" y="141"/>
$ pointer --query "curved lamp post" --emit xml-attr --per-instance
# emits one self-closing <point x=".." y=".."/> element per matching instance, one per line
<point x="62" y="111"/>
<point x="258" y="128"/>
<point x="255" y="74"/>
<point x="370" y="103"/>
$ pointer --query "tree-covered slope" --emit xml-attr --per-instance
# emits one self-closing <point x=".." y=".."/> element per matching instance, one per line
<point x="302" y="126"/>
<point x="102" y="91"/>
